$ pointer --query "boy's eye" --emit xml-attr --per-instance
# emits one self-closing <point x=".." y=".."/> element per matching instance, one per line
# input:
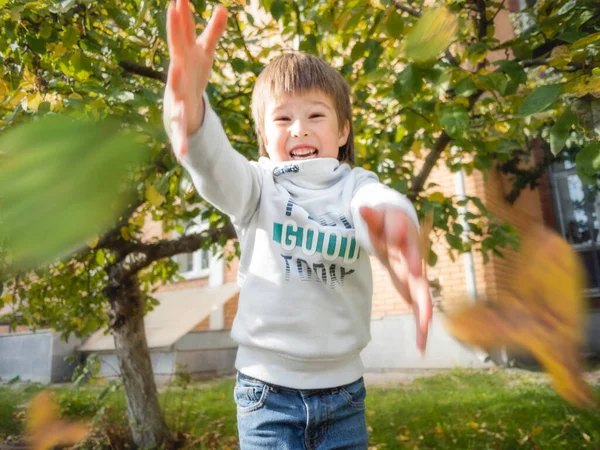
<point x="316" y="115"/>
<point x="281" y="119"/>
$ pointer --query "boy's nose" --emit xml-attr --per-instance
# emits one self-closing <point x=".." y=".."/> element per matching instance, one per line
<point x="298" y="129"/>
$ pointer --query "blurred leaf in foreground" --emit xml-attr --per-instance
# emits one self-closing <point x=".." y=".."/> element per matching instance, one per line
<point x="542" y="310"/>
<point x="62" y="181"/>
<point x="46" y="430"/>
<point x="431" y="35"/>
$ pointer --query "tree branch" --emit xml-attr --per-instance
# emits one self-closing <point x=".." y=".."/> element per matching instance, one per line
<point x="546" y="62"/>
<point x="141" y="255"/>
<point x="418" y="181"/>
<point x="482" y="22"/>
<point x="111" y="240"/>
<point x="138" y="69"/>
<point x="408" y="9"/>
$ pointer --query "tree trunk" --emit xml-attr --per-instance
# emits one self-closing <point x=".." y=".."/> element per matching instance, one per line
<point x="147" y="422"/>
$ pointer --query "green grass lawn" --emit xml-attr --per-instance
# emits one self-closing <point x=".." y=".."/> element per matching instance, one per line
<point x="456" y="410"/>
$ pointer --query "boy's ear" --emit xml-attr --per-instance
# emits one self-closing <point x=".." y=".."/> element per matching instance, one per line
<point x="344" y="134"/>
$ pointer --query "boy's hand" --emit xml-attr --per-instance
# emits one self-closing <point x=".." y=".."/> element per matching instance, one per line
<point x="396" y="240"/>
<point x="189" y="69"/>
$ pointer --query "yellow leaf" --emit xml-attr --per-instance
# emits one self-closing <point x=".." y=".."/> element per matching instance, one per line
<point x="45" y="428"/>
<point x="417" y="149"/>
<point x="60" y="50"/>
<point x="17" y="98"/>
<point x="585" y="41"/>
<point x="153" y="196"/>
<point x="436" y="197"/>
<point x="431" y="35"/>
<point x="75" y="96"/>
<point x="502" y="127"/>
<point x="33" y="101"/>
<point x="93" y="242"/>
<point x="3" y="88"/>
<point x="15" y="15"/>
<point x="542" y="310"/>
<point x="29" y="80"/>
<point x="560" y="57"/>
<point x="125" y="233"/>
<point x="8" y="298"/>
<point x="42" y="411"/>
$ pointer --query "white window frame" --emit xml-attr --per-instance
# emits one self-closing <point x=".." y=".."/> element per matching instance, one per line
<point x="197" y="271"/>
<point x="555" y="176"/>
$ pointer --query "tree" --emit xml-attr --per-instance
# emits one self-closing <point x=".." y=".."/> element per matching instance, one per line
<point x="87" y="58"/>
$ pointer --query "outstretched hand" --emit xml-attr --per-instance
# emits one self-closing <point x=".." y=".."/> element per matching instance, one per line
<point x="189" y="70"/>
<point x="395" y="239"/>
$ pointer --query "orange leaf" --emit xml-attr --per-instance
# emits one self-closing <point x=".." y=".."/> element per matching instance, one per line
<point x="542" y="311"/>
<point x="45" y="428"/>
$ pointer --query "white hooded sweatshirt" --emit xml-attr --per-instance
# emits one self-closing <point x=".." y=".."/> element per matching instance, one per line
<point x="305" y="300"/>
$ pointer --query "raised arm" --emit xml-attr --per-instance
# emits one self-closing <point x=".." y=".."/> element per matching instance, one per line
<point x="221" y="175"/>
<point x="189" y="70"/>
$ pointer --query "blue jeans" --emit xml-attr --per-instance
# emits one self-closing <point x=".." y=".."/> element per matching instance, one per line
<point x="279" y="418"/>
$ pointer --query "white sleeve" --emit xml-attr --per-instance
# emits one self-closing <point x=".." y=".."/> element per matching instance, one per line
<point x="375" y="194"/>
<point x="220" y="174"/>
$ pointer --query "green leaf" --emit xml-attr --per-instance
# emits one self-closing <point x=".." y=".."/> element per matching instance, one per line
<point x="588" y="160"/>
<point x="465" y="87"/>
<point x="454" y="241"/>
<point x="100" y="257"/>
<point x="431" y="35"/>
<point x="309" y="44"/>
<point x="277" y="9"/>
<point x="358" y="51"/>
<point x="266" y="4"/>
<point x="394" y="25"/>
<point x="70" y="36"/>
<point x="561" y="130"/>
<point x="477" y="52"/>
<point x="62" y="182"/>
<point x="455" y="120"/>
<point x="513" y="69"/>
<point x="239" y="65"/>
<point x="540" y="99"/>
<point x="409" y="81"/>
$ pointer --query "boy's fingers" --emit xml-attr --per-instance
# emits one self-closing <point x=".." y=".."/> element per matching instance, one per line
<point x="373" y="218"/>
<point x="375" y="221"/>
<point x="214" y="30"/>
<point x="413" y="258"/>
<point x="187" y="21"/>
<point x="422" y="310"/>
<point x="174" y="78"/>
<point x="403" y="235"/>
<point x="175" y="38"/>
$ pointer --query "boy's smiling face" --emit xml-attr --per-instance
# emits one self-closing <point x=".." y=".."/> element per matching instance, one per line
<point x="303" y="126"/>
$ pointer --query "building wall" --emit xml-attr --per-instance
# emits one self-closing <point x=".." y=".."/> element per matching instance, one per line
<point x="36" y="356"/>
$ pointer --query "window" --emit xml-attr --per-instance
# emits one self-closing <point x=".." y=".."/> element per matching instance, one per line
<point x="197" y="264"/>
<point x="526" y="4"/>
<point x="577" y="208"/>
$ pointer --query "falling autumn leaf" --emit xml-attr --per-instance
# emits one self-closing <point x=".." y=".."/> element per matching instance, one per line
<point x="45" y="428"/>
<point x="542" y="311"/>
<point x="431" y="35"/>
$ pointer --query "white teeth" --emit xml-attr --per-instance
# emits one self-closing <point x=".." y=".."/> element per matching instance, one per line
<point x="303" y="153"/>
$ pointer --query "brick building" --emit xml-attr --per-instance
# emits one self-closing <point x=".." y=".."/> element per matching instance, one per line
<point x="202" y="343"/>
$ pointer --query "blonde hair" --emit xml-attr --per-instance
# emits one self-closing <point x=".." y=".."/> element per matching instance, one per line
<point x="297" y="73"/>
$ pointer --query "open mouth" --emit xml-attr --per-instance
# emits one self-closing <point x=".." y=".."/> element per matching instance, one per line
<point x="304" y="153"/>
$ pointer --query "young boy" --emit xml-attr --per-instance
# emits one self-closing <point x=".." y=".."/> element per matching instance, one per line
<point x="305" y="221"/>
